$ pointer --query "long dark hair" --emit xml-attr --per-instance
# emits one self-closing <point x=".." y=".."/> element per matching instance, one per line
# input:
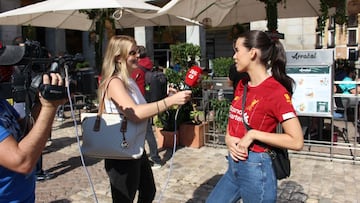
<point x="272" y="55"/>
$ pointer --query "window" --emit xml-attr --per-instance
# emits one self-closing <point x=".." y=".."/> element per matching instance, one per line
<point x="352" y="21"/>
<point x="352" y="37"/>
<point x="318" y="44"/>
<point x="331" y="39"/>
<point x="331" y="23"/>
<point x="353" y="54"/>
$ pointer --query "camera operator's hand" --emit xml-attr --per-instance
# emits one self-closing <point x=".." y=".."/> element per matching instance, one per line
<point x="54" y="80"/>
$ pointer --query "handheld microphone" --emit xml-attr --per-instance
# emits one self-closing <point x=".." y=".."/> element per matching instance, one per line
<point x="192" y="77"/>
<point x="54" y="67"/>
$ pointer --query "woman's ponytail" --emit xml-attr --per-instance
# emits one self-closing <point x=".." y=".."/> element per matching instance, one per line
<point x="278" y="66"/>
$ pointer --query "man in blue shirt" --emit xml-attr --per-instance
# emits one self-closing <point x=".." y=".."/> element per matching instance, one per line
<point x="351" y="87"/>
<point x="347" y="74"/>
<point x="20" y="153"/>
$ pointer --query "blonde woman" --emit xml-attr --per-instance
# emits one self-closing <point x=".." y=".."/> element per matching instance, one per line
<point x="123" y="95"/>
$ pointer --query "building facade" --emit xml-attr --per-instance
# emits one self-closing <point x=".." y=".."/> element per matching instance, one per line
<point x="300" y="34"/>
<point x="303" y="34"/>
<point x="344" y="39"/>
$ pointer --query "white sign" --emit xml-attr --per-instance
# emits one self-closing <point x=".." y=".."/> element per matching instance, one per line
<point x="312" y="95"/>
<point x="312" y="72"/>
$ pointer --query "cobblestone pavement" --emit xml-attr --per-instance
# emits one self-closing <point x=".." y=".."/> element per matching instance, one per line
<point x="188" y="177"/>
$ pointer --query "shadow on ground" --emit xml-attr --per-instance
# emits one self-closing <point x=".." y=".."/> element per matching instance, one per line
<point x="72" y="163"/>
<point x="168" y="153"/>
<point x="61" y="201"/>
<point x="204" y="190"/>
<point x="288" y="191"/>
<point x="291" y="192"/>
<point x="59" y="143"/>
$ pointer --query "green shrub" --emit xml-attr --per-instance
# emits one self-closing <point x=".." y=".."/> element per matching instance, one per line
<point x="221" y="108"/>
<point x="221" y="66"/>
<point x="185" y="54"/>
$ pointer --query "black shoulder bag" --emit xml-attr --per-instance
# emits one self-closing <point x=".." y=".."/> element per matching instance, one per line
<point x="279" y="156"/>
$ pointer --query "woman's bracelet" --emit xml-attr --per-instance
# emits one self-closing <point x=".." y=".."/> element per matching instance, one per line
<point x="166" y="107"/>
<point x="157" y="105"/>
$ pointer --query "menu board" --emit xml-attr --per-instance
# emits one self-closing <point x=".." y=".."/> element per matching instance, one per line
<point x="312" y="72"/>
<point x="312" y="94"/>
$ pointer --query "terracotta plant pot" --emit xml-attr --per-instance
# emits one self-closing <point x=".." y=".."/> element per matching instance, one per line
<point x="165" y="139"/>
<point x="192" y="135"/>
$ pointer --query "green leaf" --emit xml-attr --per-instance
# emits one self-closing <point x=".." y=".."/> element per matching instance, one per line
<point x="221" y="66"/>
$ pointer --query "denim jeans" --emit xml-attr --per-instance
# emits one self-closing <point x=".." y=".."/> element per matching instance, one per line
<point x="153" y="148"/>
<point x="252" y="180"/>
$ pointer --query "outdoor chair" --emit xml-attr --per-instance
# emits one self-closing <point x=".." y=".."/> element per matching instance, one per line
<point x="347" y="104"/>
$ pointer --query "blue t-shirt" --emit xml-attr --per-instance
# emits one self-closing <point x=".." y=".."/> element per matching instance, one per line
<point x="347" y="87"/>
<point x="14" y="187"/>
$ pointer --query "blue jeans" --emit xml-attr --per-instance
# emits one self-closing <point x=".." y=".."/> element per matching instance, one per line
<point x="252" y="180"/>
<point x="153" y="148"/>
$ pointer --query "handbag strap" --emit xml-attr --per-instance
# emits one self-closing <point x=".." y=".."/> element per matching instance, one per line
<point x="102" y="101"/>
<point x="267" y="148"/>
<point x="123" y="127"/>
<point x="243" y="106"/>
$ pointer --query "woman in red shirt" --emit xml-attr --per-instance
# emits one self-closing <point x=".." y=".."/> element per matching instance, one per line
<point x="250" y="175"/>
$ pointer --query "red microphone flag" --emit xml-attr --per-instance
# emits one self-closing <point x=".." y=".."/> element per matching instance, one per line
<point x="192" y="76"/>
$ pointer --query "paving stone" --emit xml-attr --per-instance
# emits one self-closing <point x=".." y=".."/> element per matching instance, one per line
<point x="193" y="175"/>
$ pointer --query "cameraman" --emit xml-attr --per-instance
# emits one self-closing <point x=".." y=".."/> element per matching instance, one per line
<point x="20" y="153"/>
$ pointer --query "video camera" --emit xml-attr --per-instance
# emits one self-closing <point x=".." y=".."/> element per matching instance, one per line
<point x="27" y="78"/>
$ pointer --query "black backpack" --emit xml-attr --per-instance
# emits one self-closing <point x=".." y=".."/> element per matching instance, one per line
<point x="155" y="85"/>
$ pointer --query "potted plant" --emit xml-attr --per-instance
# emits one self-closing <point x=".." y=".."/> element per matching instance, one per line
<point x="165" y="129"/>
<point x="183" y="56"/>
<point x="187" y="121"/>
<point x="192" y="133"/>
<point x="221" y="112"/>
<point x="217" y="106"/>
<point x="221" y="66"/>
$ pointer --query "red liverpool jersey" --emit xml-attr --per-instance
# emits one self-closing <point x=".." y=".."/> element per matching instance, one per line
<point x="266" y="105"/>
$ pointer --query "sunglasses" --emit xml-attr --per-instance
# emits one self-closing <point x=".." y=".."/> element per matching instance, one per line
<point x="133" y="52"/>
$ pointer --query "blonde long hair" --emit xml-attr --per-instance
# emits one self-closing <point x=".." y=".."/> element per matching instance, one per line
<point x="119" y="46"/>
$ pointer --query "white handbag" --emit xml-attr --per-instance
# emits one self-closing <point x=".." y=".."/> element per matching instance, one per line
<point x="111" y="136"/>
<point x="102" y="137"/>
